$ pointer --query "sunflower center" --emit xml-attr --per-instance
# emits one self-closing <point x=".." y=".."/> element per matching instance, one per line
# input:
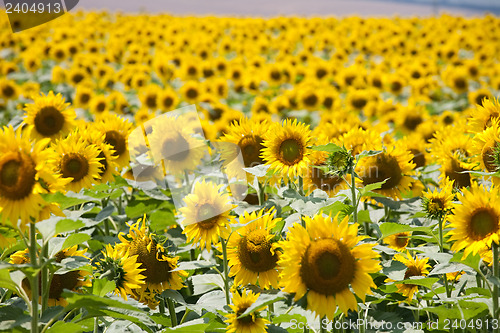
<point x="8" y="91"/>
<point x="386" y="167"/>
<point x="175" y="149"/>
<point x="311" y="100"/>
<point x="418" y="157"/>
<point x="401" y="240"/>
<point x="168" y="101"/>
<point x="460" y="83"/>
<point x="49" y="121"/>
<point x="251" y="146"/>
<point x="74" y="165"/>
<point x="17" y="175"/>
<point x="327" y="266"/>
<point x="156" y="271"/>
<point x="456" y="173"/>
<point x="151" y="101"/>
<point x="118" y="142"/>
<point x="412" y="121"/>
<point x="488" y="154"/>
<point x="207" y="215"/>
<point x="247" y="319"/>
<point x="104" y="163"/>
<point x="324" y="181"/>
<point x="254" y="252"/>
<point x="192" y="93"/>
<point x="359" y="102"/>
<point x="290" y="151"/>
<point x="483" y="222"/>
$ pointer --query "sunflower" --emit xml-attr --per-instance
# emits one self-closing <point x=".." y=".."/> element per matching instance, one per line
<point x="286" y="148"/>
<point x="78" y="161"/>
<point x="437" y="204"/>
<point x="99" y="104"/>
<point x="250" y="323"/>
<point x="173" y="143"/>
<point x="72" y="280"/>
<point x="485" y="147"/>
<point x="49" y="116"/>
<point x="116" y="132"/>
<point x="26" y="172"/>
<point x="167" y="100"/>
<point x="8" y="89"/>
<point x="394" y="165"/>
<point x="121" y="268"/>
<point x="190" y="91"/>
<point x="476" y="220"/>
<point x="251" y="252"/>
<point x="106" y="157"/>
<point x="153" y="257"/>
<point x="323" y="260"/>
<point x="206" y="214"/>
<point x="477" y="97"/>
<point x="398" y="241"/>
<point x="83" y="96"/>
<point x="149" y="96"/>
<point x="484" y="115"/>
<point x="249" y="136"/>
<point x="414" y="267"/>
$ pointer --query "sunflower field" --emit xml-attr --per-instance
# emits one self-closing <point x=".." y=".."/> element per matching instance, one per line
<point x="360" y="187"/>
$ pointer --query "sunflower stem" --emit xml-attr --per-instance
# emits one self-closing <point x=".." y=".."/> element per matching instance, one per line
<point x="354" y="198"/>
<point x="260" y="193"/>
<point x="161" y="305"/>
<point x="226" y="269"/>
<point x="34" y="279"/>
<point x="184" y="316"/>
<point x="301" y="186"/>
<point x="96" y="324"/>
<point x="45" y="279"/>
<point x="441" y="249"/>
<point x="496" y="273"/>
<point x="171" y="310"/>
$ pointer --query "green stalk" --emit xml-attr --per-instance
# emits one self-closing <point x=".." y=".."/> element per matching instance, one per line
<point x="45" y="279"/>
<point x="162" y="305"/>
<point x="96" y="324"/>
<point x="171" y="310"/>
<point x="441" y="248"/>
<point x="226" y="270"/>
<point x="301" y="186"/>
<point x="34" y="279"/>
<point x="496" y="273"/>
<point x="354" y="198"/>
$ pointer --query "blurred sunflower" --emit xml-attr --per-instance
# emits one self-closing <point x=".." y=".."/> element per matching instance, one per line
<point x="250" y="323"/>
<point x="78" y="161"/>
<point x="167" y="100"/>
<point x="8" y="89"/>
<point x="484" y="115"/>
<point x="106" y="157"/>
<point x="251" y="251"/>
<point x="476" y="220"/>
<point x="286" y="148"/>
<point x="49" y="116"/>
<point x="414" y="267"/>
<point x="323" y="260"/>
<point x="206" y="214"/>
<point x="26" y="172"/>
<point x="72" y="280"/>
<point x="152" y="257"/>
<point x="122" y="269"/>
<point x="398" y="241"/>
<point x="116" y="132"/>
<point x="173" y="144"/>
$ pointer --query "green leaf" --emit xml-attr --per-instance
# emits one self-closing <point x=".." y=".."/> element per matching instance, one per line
<point x="75" y="239"/>
<point x="329" y="148"/>
<point x="6" y="280"/>
<point x="105" y="213"/>
<point x="190" y="265"/>
<point x="370" y="187"/>
<point x="193" y="326"/>
<point x="206" y="282"/>
<point x="137" y="208"/>
<point x="367" y="153"/>
<point x="56" y="225"/>
<point x="12" y="316"/>
<point x="471" y="260"/>
<point x="101" y="287"/>
<point x="62" y="327"/>
<point x="337" y="207"/>
<point x="420" y="281"/>
<point x="161" y="219"/>
<point x="68" y="200"/>
<point x="391" y="228"/>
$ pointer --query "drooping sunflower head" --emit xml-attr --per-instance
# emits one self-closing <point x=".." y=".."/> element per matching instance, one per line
<point x="398" y="241"/>
<point x="486" y="146"/>
<point x="206" y="214"/>
<point x="26" y="171"/>
<point x="153" y="258"/>
<point x="250" y="323"/>
<point x="49" y="116"/>
<point x="78" y="161"/>
<point x="252" y="251"/>
<point x="324" y="260"/>
<point x="439" y="202"/>
<point x="476" y="220"/>
<point x="414" y="267"/>
<point x="286" y="148"/>
<point x="121" y="268"/>
<point x="176" y="147"/>
<point x="393" y="165"/>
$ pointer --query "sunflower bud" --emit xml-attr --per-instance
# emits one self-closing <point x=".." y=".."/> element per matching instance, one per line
<point x="340" y="162"/>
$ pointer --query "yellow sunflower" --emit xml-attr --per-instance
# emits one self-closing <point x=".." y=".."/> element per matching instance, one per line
<point x="26" y="171"/>
<point x="414" y="267"/>
<point x="206" y="214"/>
<point x="153" y="258"/>
<point x="173" y="144"/>
<point x="398" y="241"/>
<point x="72" y="280"/>
<point x="439" y="202"/>
<point x="286" y="148"/>
<point x="116" y="132"/>
<point x="121" y="268"/>
<point x="250" y="323"/>
<point x="251" y="251"/>
<point x="323" y="260"/>
<point x="49" y="116"/>
<point x="393" y="165"/>
<point x="8" y="89"/>
<point x="476" y="220"/>
<point x="484" y="115"/>
<point x="485" y="147"/>
<point x="78" y="161"/>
